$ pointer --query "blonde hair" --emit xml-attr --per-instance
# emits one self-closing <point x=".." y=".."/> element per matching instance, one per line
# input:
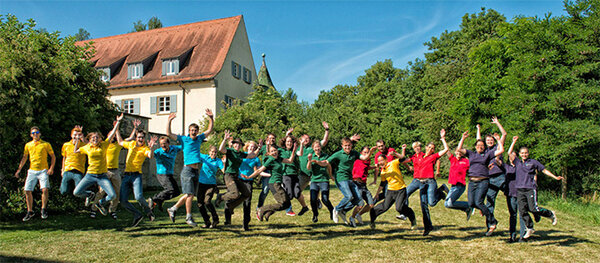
<point x="415" y="144"/>
<point x="247" y="145"/>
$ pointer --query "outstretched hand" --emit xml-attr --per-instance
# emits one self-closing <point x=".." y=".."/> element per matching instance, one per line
<point x="442" y="133"/>
<point x="495" y="120"/>
<point x="403" y="146"/>
<point x="309" y="157"/>
<point x="466" y="134"/>
<point x="515" y="138"/>
<point x="153" y="141"/>
<point x="209" y="113"/>
<point x="172" y="116"/>
<point x="227" y="135"/>
<point x="120" y="117"/>
<point x="136" y="123"/>
<point x="496" y="136"/>
<point x="325" y="125"/>
<point x="355" y="137"/>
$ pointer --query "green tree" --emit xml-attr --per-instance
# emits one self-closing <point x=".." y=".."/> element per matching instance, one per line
<point x="82" y="34"/>
<point x="138" y="26"/>
<point x="153" y="23"/>
<point x="45" y="81"/>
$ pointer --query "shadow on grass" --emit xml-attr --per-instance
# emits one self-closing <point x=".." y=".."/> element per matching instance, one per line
<point x="4" y="258"/>
<point x="553" y="237"/>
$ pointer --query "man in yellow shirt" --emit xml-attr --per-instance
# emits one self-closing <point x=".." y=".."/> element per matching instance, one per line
<point x="137" y="152"/>
<point x="396" y="189"/>
<point x="73" y="164"/>
<point x="37" y="151"/>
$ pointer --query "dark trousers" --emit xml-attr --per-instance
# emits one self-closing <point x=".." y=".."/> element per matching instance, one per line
<point x="247" y="203"/>
<point x="171" y="189"/>
<point x="527" y="201"/>
<point x="397" y="197"/>
<point x="236" y="192"/>
<point x="476" y="197"/>
<point x="513" y="210"/>
<point x="204" y="197"/>
<point x="315" y="188"/>
<point x="283" y="201"/>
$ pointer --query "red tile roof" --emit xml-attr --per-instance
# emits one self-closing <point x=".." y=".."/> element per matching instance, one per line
<point x="208" y="40"/>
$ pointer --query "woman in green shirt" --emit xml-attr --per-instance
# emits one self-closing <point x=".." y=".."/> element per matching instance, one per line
<point x="320" y="173"/>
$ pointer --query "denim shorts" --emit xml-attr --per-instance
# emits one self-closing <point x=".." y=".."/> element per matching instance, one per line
<point x="189" y="180"/>
<point x="34" y="176"/>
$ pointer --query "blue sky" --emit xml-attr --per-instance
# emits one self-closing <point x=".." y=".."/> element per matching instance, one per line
<point x="310" y="45"/>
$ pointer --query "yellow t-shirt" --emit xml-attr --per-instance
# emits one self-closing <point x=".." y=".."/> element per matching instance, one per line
<point x="73" y="161"/>
<point x="96" y="157"/>
<point x="391" y="173"/>
<point x="112" y="155"/>
<point x="135" y="156"/>
<point x="38" y="154"/>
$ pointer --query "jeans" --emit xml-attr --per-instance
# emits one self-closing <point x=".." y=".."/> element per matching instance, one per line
<point x="204" y="197"/>
<point x="476" y="196"/>
<point x="189" y="180"/>
<point x="68" y="176"/>
<point x="365" y="196"/>
<point x="513" y="210"/>
<point x="264" y="191"/>
<point x="451" y="200"/>
<point x="429" y="196"/>
<point x="92" y="179"/>
<point x="393" y="197"/>
<point x="411" y="188"/>
<point x="315" y="187"/>
<point x="115" y="179"/>
<point x="496" y="185"/>
<point x="168" y="183"/>
<point x="133" y="181"/>
<point x="351" y="197"/>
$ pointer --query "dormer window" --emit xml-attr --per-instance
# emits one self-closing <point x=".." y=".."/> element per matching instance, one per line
<point x="105" y="74"/>
<point x="170" y="67"/>
<point x="135" y="71"/>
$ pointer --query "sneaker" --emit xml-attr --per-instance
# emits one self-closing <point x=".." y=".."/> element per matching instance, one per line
<point x="335" y="216"/>
<point x="136" y="221"/>
<point x="359" y="219"/>
<point x="553" y="217"/>
<point x="190" y="221"/>
<point x="113" y="215"/>
<point x="528" y="233"/>
<point x="469" y="212"/>
<point x="92" y="214"/>
<point x="151" y="216"/>
<point x="490" y="230"/>
<point x="246" y="228"/>
<point x="315" y="219"/>
<point x="290" y="213"/>
<point x="303" y="210"/>
<point x="342" y="215"/>
<point x="266" y="216"/>
<point x="90" y="199"/>
<point x="259" y="214"/>
<point x="352" y="222"/>
<point x="401" y="217"/>
<point x="214" y="223"/>
<point x="171" y="212"/>
<point x="28" y="216"/>
<point x="427" y="231"/>
<point x="512" y="238"/>
<point x="100" y="208"/>
<point x="151" y="203"/>
<point x="218" y="200"/>
<point x="537" y="218"/>
<point x="44" y="214"/>
<point x="413" y="224"/>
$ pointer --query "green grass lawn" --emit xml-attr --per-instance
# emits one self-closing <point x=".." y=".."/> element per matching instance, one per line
<point x="77" y="238"/>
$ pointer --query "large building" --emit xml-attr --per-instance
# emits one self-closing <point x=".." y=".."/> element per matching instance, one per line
<point x="183" y="69"/>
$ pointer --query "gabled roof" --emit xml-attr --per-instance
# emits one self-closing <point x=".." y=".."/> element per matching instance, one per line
<point x="209" y="42"/>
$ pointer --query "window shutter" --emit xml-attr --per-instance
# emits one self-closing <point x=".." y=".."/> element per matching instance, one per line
<point x="173" y="103"/>
<point x="141" y="69"/>
<point x="233" y="70"/>
<point x="152" y="105"/>
<point x="118" y="102"/>
<point x="129" y="71"/>
<point x="136" y="106"/>
<point x="176" y="66"/>
<point x="249" y="77"/>
<point x="164" y="67"/>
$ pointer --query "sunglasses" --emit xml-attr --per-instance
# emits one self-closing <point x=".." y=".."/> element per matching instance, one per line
<point x="35" y="132"/>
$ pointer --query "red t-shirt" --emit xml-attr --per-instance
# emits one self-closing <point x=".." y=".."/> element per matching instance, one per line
<point x="426" y="166"/>
<point x="388" y="154"/>
<point x="417" y="159"/>
<point x="458" y="170"/>
<point x="360" y="170"/>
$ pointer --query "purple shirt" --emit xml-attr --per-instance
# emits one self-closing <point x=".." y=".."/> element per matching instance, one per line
<point x="479" y="163"/>
<point x="510" y="179"/>
<point x="496" y="170"/>
<point x="526" y="173"/>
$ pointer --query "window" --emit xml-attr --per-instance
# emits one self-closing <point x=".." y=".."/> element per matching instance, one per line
<point x="229" y="101"/>
<point x="128" y="106"/>
<point x="135" y="71"/>
<point x="105" y="74"/>
<point x="164" y="104"/>
<point x="170" y="67"/>
<point x="247" y="76"/>
<point x="236" y="70"/>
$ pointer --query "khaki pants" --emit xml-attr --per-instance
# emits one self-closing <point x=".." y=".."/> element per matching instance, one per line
<point x="115" y="179"/>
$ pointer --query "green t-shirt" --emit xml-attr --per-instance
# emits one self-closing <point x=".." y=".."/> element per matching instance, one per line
<point x="344" y="163"/>
<point x="234" y="160"/>
<point x="289" y="169"/>
<point x="319" y="173"/>
<point x="276" y="168"/>
<point x="304" y="159"/>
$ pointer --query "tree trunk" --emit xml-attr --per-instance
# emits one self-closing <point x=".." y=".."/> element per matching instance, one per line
<point x="564" y="184"/>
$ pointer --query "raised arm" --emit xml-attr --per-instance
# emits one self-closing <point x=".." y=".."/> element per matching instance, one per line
<point x="355" y="138"/>
<point x="443" y="139"/>
<point x="462" y="141"/>
<point x="211" y="122"/>
<point x="500" y="148"/>
<point x="300" y="151"/>
<point x="292" y="156"/>
<point x="169" y="120"/>
<point x="111" y="134"/>
<point x="326" y="135"/>
<point x="136" y="123"/>
<point x="151" y="145"/>
<point x="478" y="137"/>
<point x="502" y="131"/>
<point x="289" y="131"/>
<point x="511" y="154"/>
<point x="368" y="155"/>
<point x="226" y="137"/>
<point x="255" y="152"/>
<point x="309" y="163"/>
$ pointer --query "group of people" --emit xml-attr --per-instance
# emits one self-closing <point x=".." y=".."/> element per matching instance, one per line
<point x="286" y="170"/>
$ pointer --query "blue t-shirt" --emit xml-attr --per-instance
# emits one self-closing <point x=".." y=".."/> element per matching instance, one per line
<point x="191" y="148"/>
<point x="478" y="163"/>
<point x="208" y="173"/>
<point x="247" y="167"/>
<point x="166" y="160"/>
<point x="525" y="173"/>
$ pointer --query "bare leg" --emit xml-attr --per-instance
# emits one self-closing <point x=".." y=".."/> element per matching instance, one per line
<point x="366" y="208"/>
<point x="188" y="203"/>
<point x="45" y="194"/>
<point x="29" y="201"/>
<point x="301" y="200"/>
<point x="182" y="200"/>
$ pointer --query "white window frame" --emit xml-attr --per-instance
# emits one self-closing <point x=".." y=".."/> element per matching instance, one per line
<point x="170" y="67"/>
<point x="105" y="77"/>
<point x="128" y="106"/>
<point x="136" y="71"/>
<point x="165" y="108"/>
